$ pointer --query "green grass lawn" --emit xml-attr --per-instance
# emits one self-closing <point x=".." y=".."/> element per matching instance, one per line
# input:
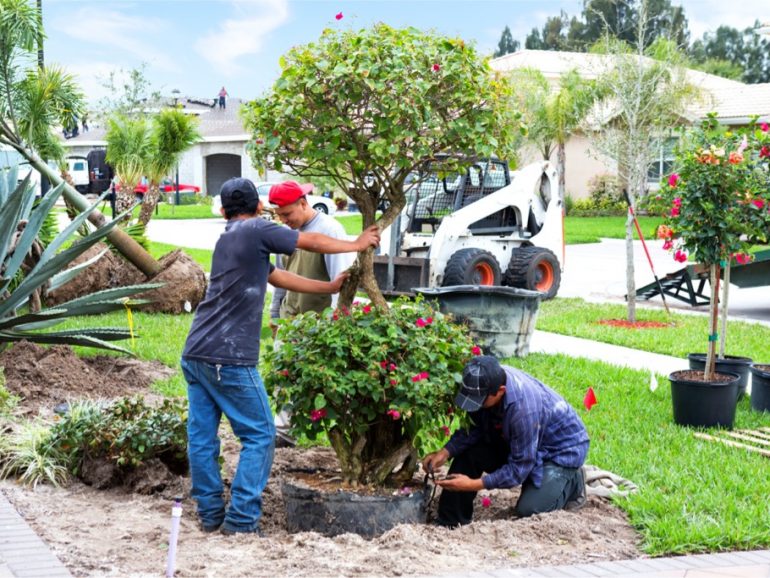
<point x="591" y="229"/>
<point x="166" y="211"/>
<point x="694" y="496"/>
<point x="684" y="334"/>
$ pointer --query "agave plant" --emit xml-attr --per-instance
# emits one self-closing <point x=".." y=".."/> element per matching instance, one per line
<point x="20" y="222"/>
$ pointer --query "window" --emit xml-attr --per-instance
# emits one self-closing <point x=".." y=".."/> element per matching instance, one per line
<point x="664" y="164"/>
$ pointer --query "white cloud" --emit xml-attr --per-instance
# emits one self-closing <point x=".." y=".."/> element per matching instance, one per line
<point x="242" y="34"/>
<point x="708" y="15"/>
<point x="113" y="29"/>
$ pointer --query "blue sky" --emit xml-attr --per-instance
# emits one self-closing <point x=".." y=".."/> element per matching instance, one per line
<point x="197" y="46"/>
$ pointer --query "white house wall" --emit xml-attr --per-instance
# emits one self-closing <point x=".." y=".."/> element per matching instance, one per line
<point x="582" y="165"/>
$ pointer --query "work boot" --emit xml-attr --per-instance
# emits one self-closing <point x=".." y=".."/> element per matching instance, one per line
<point x="578" y="499"/>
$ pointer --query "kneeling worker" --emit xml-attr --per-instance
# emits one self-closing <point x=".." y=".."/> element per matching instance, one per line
<point x="522" y="433"/>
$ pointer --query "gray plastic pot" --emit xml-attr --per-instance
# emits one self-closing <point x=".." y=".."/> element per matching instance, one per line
<point x="501" y="319"/>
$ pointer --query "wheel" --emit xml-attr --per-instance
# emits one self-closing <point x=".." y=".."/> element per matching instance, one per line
<point x="534" y="268"/>
<point x="472" y="267"/>
<point x="321" y="208"/>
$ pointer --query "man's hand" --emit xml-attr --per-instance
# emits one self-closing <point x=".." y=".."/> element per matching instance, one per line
<point x="434" y="461"/>
<point x="336" y="285"/>
<point x="370" y="237"/>
<point x="460" y="483"/>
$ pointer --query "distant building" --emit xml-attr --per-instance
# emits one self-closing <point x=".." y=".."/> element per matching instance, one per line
<point x="220" y="154"/>
<point x="733" y="101"/>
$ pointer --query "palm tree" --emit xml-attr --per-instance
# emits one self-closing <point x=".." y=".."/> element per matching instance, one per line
<point x="128" y="143"/>
<point x="552" y="116"/>
<point x="32" y="101"/>
<point x="173" y="132"/>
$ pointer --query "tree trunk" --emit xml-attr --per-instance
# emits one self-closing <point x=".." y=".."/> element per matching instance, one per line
<point x="127" y="247"/>
<point x="713" y="323"/>
<point x="725" y="298"/>
<point x="562" y="164"/>
<point x="630" y="283"/>
<point x="149" y="203"/>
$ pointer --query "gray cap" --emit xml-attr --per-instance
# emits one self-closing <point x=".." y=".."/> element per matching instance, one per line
<point x="482" y="376"/>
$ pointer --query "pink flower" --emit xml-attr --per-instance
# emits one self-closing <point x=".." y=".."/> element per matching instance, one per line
<point x="476" y="350"/>
<point x="445" y="429"/>
<point x="392" y="367"/>
<point x="383" y="364"/>
<point x="317" y="414"/>
<point x="668" y="245"/>
<point x="420" y="376"/>
<point x="758" y="203"/>
<point x="673" y="180"/>
<point x="677" y="202"/>
<point x="436" y="68"/>
<point x="420" y="322"/>
<point x="429" y="320"/>
<point x="742" y="258"/>
<point x="335" y="316"/>
<point x="764" y="152"/>
<point x="764" y="127"/>
<point x="259" y="141"/>
<point x="744" y="144"/>
<point x="284" y="372"/>
<point x="393" y="382"/>
<point x="394" y="413"/>
<point x="367" y="308"/>
<point x="338" y="16"/>
<point x="735" y="158"/>
<point x="674" y="211"/>
<point x="486" y="501"/>
<point x="680" y="256"/>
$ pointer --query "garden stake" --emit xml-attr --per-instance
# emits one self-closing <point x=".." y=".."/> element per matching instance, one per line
<point x="176" y="516"/>
<point x="646" y="252"/>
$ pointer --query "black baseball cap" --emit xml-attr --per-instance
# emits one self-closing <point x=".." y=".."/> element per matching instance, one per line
<point x="239" y="193"/>
<point x="482" y="376"/>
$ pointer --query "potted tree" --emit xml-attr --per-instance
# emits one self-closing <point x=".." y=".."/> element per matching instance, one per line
<point x="379" y="384"/>
<point x="717" y="203"/>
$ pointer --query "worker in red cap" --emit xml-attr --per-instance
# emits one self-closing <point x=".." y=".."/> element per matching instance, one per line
<point x="289" y="200"/>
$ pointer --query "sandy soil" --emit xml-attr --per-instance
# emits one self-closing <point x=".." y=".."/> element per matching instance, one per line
<point x="119" y="533"/>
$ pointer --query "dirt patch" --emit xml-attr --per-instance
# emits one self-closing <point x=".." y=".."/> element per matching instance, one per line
<point x="47" y="377"/>
<point x="117" y="532"/>
<point x="625" y="324"/>
<point x="698" y="376"/>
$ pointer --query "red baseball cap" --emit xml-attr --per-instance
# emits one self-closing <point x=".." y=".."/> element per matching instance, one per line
<point x="288" y="192"/>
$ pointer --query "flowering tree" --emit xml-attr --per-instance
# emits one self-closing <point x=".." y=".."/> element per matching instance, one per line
<point x="365" y="108"/>
<point x="378" y="383"/>
<point x="718" y="203"/>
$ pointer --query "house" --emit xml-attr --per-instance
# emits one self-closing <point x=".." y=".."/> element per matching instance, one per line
<point x="733" y="101"/>
<point x="220" y="154"/>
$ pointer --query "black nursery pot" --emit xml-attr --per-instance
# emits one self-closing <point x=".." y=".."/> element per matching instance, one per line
<point x="760" y="387"/>
<point x="730" y="364"/>
<point x="704" y="404"/>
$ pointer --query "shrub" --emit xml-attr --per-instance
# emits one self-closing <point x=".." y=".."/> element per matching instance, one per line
<point x="605" y="198"/>
<point x="374" y="380"/>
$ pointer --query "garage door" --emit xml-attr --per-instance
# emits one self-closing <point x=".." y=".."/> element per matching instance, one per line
<point x="219" y="168"/>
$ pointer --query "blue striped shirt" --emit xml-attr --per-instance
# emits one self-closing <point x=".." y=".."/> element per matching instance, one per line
<point x="539" y="426"/>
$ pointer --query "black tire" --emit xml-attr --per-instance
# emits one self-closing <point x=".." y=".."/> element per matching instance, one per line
<point x="534" y="268"/>
<point x="321" y="208"/>
<point x="472" y="267"/>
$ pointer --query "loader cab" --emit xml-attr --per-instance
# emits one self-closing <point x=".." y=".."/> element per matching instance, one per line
<point x="440" y="194"/>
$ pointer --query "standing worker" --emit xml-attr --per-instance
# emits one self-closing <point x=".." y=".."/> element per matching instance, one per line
<point x="221" y="353"/>
<point x="293" y="209"/>
<point x="222" y="96"/>
<point x="523" y="433"/>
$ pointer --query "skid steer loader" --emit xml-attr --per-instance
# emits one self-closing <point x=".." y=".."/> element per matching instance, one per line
<point x="487" y="226"/>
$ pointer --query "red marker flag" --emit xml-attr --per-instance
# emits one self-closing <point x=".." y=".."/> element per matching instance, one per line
<point x="589" y="400"/>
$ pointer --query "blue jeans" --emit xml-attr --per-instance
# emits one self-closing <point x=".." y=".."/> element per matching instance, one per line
<point x="238" y="392"/>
